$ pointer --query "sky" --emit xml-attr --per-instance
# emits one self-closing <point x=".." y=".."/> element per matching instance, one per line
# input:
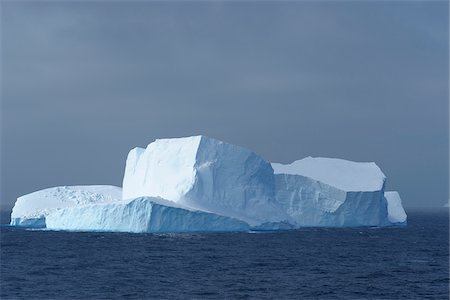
<point x="84" y="82"/>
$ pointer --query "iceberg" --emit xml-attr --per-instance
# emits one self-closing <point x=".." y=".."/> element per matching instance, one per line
<point x="329" y="192"/>
<point x="396" y="213"/>
<point x="140" y="215"/>
<point x="199" y="183"/>
<point x="30" y="210"/>
<point x="206" y="174"/>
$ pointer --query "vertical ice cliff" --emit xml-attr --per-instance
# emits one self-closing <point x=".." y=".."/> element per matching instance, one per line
<point x="207" y="174"/>
<point x="144" y="214"/>
<point x="331" y="192"/>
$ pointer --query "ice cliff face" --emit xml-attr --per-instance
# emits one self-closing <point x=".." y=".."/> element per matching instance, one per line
<point x="204" y="173"/>
<point x="203" y="184"/>
<point x="331" y="192"/>
<point x="152" y="215"/>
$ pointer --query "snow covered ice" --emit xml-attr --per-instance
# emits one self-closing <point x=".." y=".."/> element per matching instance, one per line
<point x="331" y="192"/>
<point x="204" y="173"/>
<point x="31" y="209"/>
<point x="203" y="184"/>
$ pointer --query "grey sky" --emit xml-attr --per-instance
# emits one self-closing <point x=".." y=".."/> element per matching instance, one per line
<point x="84" y="82"/>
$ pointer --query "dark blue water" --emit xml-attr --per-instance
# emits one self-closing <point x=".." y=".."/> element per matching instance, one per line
<point x="389" y="263"/>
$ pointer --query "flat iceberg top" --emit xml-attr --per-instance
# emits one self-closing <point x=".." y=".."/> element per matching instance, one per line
<point x="39" y="203"/>
<point x="343" y="174"/>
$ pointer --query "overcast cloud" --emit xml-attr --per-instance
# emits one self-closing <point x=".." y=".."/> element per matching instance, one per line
<point x="84" y="82"/>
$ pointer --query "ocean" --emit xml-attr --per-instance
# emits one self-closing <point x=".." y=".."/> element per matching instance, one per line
<point x="311" y="263"/>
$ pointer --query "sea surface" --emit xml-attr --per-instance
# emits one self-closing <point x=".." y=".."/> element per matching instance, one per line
<point x="362" y="263"/>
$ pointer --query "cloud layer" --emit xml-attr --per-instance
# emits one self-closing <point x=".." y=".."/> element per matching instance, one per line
<point x="84" y="82"/>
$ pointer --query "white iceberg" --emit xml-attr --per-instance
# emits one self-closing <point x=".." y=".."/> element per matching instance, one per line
<point x="331" y="192"/>
<point x="31" y="209"/>
<point x="207" y="174"/>
<point x="396" y="213"/>
<point x="203" y="184"/>
<point x="145" y="214"/>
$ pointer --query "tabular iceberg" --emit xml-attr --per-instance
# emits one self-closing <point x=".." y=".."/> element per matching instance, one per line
<point x="203" y="184"/>
<point x="331" y="192"/>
